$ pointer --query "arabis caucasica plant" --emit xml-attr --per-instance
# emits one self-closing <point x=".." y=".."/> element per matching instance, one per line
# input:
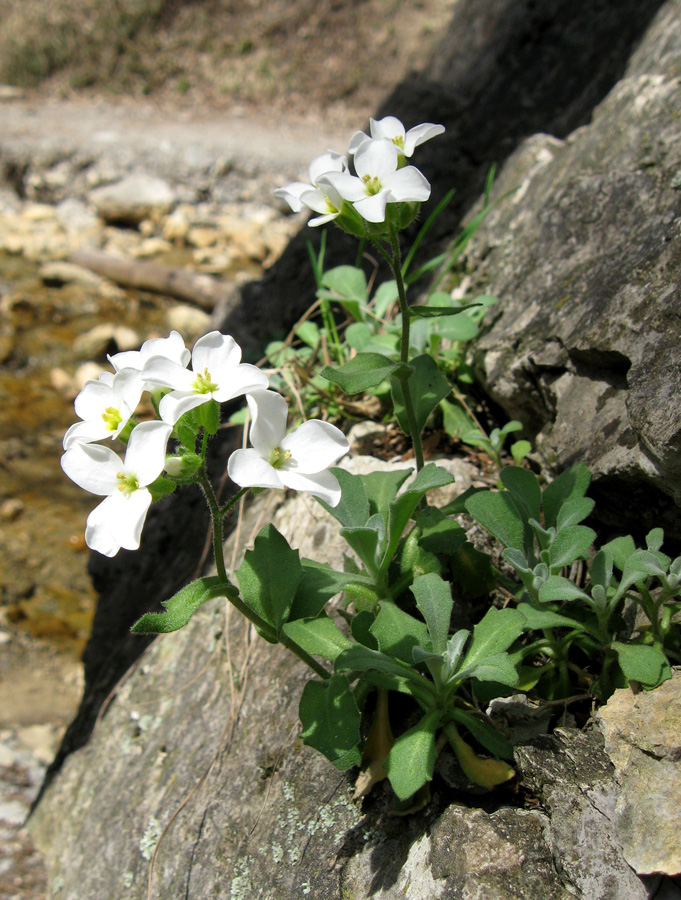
<point x="409" y="563"/>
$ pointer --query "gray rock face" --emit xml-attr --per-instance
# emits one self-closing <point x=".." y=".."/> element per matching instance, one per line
<point x="584" y="257"/>
<point x="643" y="739"/>
<point x="195" y="782"/>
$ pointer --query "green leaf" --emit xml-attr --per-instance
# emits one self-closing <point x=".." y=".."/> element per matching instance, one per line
<point x="308" y="332"/>
<point x="438" y="533"/>
<point x="434" y="601"/>
<point x="655" y="539"/>
<point x="525" y="488"/>
<point x="643" y="663"/>
<point x="574" y="511"/>
<point x="493" y="634"/>
<point x="557" y="589"/>
<point x="472" y="570"/>
<point x="498" y="668"/>
<point x="362" y="372"/>
<point x="353" y="509"/>
<point x="181" y="606"/>
<point x="386" y="294"/>
<point x="497" y="512"/>
<point x="367" y="541"/>
<point x="538" y="619"/>
<point x="346" y="282"/>
<point x="485" y="734"/>
<point x="208" y="416"/>
<point x="573" y="482"/>
<point x="360" y="626"/>
<point x="455" y="420"/>
<point x="317" y="586"/>
<point x="400" y="511"/>
<point x="382" y="487"/>
<point x="269" y="575"/>
<point x="331" y="721"/>
<point x="363" y="659"/>
<point x="432" y="312"/>
<point x="357" y="335"/>
<point x="398" y="633"/>
<point x="519" y="450"/>
<point x="161" y="488"/>
<point x="428" y="387"/>
<point x="320" y="636"/>
<point x="411" y="761"/>
<point x="621" y="549"/>
<point x="453" y="653"/>
<point x="573" y="542"/>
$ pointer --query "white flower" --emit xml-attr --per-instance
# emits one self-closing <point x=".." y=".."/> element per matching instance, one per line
<point x="217" y="374"/>
<point x="379" y="181"/>
<point x="392" y="129"/>
<point x="105" y="406"/>
<point x="298" y="460"/>
<point x="118" y="520"/>
<point x="171" y="348"/>
<point x="321" y="199"/>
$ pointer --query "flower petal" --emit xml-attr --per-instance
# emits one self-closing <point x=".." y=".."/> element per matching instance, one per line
<point x="177" y="403"/>
<point x="233" y="381"/>
<point x="348" y="186"/>
<point x="86" y="432"/>
<point x="419" y="134"/>
<point x="376" y="159"/>
<point x="373" y="208"/>
<point x="327" y="162"/>
<point x="314" y="445"/>
<point x="388" y="128"/>
<point x="215" y="352"/>
<point x="247" y="468"/>
<point x="146" y="451"/>
<point x="408" y="184"/>
<point x="291" y="194"/>
<point x="269" y="413"/>
<point x="98" y="534"/>
<point x="356" y="141"/>
<point x="323" y="485"/>
<point x="93" y="467"/>
<point x="165" y="373"/>
<point x="93" y="399"/>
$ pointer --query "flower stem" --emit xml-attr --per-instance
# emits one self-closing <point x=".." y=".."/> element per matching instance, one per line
<point x="215" y="514"/>
<point x="396" y="265"/>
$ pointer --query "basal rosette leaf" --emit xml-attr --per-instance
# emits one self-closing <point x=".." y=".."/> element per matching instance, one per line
<point x="331" y="721"/>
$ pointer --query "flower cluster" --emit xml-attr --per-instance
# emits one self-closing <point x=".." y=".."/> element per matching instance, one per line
<point x="381" y="177"/>
<point x="178" y="391"/>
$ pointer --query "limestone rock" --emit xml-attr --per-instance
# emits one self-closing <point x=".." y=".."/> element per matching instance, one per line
<point x="583" y="258"/>
<point x="133" y="199"/>
<point x="98" y="340"/>
<point x="643" y="739"/>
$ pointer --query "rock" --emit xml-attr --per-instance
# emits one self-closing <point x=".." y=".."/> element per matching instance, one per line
<point x="59" y="273"/>
<point x="175" y="227"/>
<point x="101" y="338"/>
<point x="133" y="199"/>
<point x="583" y="343"/>
<point x="11" y="509"/>
<point x="10" y="92"/>
<point x="643" y="739"/>
<point x="188" y="320"/>
<point x="284" y="823"/>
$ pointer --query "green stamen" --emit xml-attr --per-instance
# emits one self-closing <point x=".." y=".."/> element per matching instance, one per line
<point x="372" y="184"/>
<point x="112" y="418"/>
<point x="128" y="483"/>
<point x="202" y="384"/>
<point x="279" y="457"/>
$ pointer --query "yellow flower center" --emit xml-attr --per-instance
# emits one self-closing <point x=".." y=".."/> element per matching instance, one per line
<point x="112" y="418"/>
<point x="372" y="185"/>
<point x="279" y="457"/>
<point x="128" y="483"/>
<point x="398" y="141"/>
<point x="202" y="383"/>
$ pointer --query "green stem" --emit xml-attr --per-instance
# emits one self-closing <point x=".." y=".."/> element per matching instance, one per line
<point x="396" y="266"/>
<point x="223" y="510"/>
<point x="232" y="594"/>
<point x="218" y="535"/>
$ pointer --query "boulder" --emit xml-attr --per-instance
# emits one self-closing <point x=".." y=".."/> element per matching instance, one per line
<point x="583" y="257"/>
<point x="133" y="199"/>
<point x="195" y="783"/>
